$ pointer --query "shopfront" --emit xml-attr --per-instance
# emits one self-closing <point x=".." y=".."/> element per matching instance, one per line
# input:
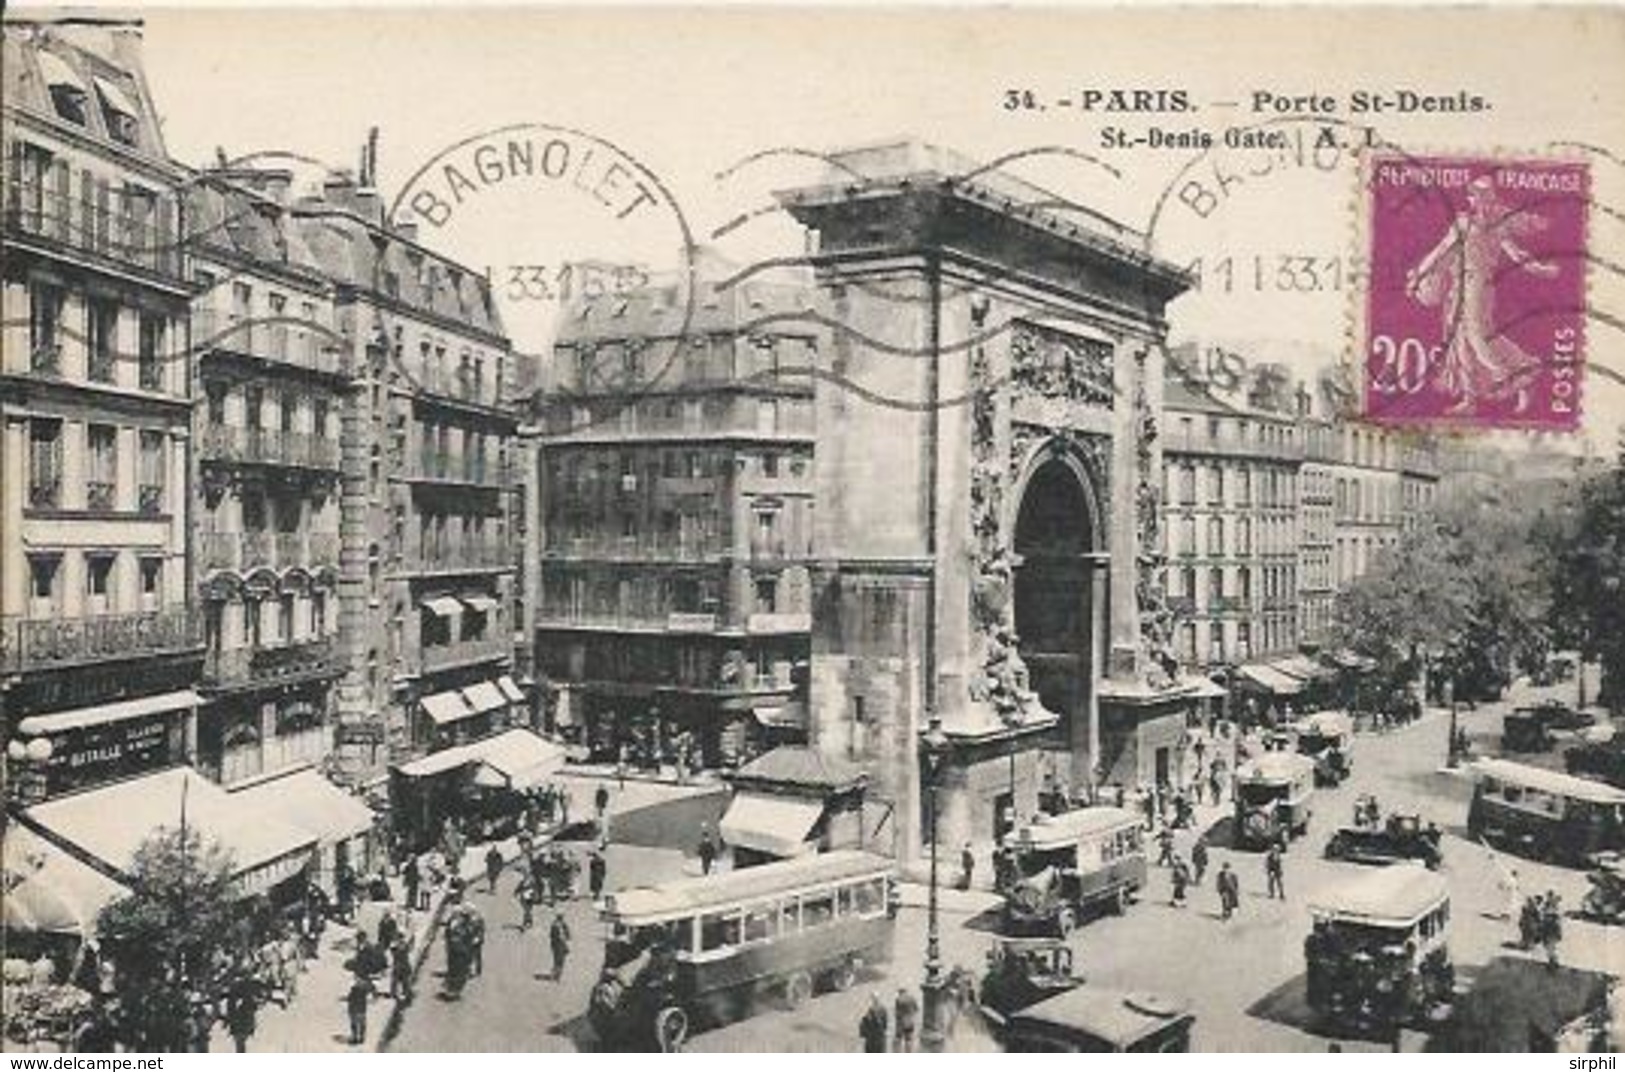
<point x="69" y="751"/>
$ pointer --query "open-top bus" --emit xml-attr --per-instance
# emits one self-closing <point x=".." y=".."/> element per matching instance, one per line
<point x="1377" y="956"/>
<point x="1273" y="794"/>
<point x="1327" y="737"/>
<point x="703" y="950"/>
<point x="1544" y="814"/>
<point x="1060" y="866"/>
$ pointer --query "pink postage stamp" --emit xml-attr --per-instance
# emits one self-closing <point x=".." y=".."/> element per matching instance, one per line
<point x="1475" y="309"/>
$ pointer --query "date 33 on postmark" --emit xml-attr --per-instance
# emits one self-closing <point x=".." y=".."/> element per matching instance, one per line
<point x="1474" y="314"/>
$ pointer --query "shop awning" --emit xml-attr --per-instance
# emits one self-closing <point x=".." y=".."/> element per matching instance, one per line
<point x="482" y="604"/>
<point x="50" y="892"/>
<point x="1270" y="679"/>
<point x="520" y="758"/>
<point x="517" y="759"/>
<point x="448" y="706"/>
<point x="778" y="826"/>
<point x="444" y="606"/>
<point x="791" y="715"/>
<point x="81" y="717"/>
<point x="1301" y="667"/>
<point x="113" y="822"/>
<point x="1202" y="688"/>
<point x="510" y="690"/>
<point x="116" y="98"/>
<point x="312" y="803"/>
<point x="1351" y="660"/>
<point x="484" y="696"/>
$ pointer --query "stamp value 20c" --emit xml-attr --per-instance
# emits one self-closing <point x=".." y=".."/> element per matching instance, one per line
<point x="1475" y="309"/>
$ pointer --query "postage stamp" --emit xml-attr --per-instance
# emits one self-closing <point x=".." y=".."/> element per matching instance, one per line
<point x="1474" y="315"/>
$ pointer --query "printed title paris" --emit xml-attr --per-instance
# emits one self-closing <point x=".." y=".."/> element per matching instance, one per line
<point x="1399" y="101"/>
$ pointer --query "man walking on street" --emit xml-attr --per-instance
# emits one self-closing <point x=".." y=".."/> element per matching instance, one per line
<point x="413" y="877"/>
<point x="708" y="850"/>
<point x="600" y="800"/>
<point x="476" y="941"/>
<point x="1199" y="859"/>
<point x="558" y="940"/>
<point x="355" y="1003"/>
<point x="400" y="973"/>
<point x="597" y="871"/>
<point x="1229" y="888"/>
<point x="907" y="1011"/>
<point x="493" y="868"/>
<point x="1181" y="878"/>
<point x="873" y="1027"/>
<point x="1165" y="841"/>
<point x="1273" y="872"/>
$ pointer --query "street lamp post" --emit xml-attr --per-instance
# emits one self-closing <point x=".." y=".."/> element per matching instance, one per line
<point x="1453" y="754"/>
<point x="934" y="749"/>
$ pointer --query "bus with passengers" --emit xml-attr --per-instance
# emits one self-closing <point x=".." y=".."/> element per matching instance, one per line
<point x="704" y="950"/>
<point x="1544" y="814"/>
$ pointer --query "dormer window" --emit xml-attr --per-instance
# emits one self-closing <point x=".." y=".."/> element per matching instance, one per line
<point x="67" y="91"/>
<point x="119" y="112"/>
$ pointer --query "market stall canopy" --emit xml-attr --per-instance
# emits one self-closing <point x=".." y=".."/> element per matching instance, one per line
<point x="47" y="891"/>
<point x="484" y="696"/>
<point x="510" y="690"/>
<point x="776" y="825"/>
<point x="83" y="717"/>
<point x="312" y="803"/>
<point x="1350" y="660"/>
<point x="1270" y="679"/>
<point x="443" y="606"/>
<point x="1202" y="688"/>
<point x="1302" y="667"/>
<point x="790" y="715"/>
<point x="517" y="759"/>
<point x="801" y="767"/>
<point x="111" y="823"/>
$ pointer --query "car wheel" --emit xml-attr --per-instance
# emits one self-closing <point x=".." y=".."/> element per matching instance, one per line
<point x="671" y="1029"/>
<point x="1124" y="898"/>
<point x="797" y="990"/>
<point x="844" y="975"/>
<point x="1337" y="847"/>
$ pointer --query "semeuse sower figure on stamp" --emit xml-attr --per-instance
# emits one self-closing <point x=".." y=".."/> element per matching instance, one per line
<point x="1458" y="276"/>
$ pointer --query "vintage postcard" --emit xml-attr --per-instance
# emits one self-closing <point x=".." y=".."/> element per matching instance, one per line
<point x="792" y="529"/>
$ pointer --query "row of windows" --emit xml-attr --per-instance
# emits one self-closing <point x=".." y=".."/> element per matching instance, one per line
<point x="791" y="914"/>
<point x="100" y="338"/>
<point x="99" y="483"/>
<point x="695" y="661"/>
<point x="583" y="472"/>
<point x="1230" y="485"/>
<point x="1274" y="635"/>
<point x="72" y="101"/>
<point x="255" y="407"/>
<point x="101" y="576"/>
<point x="1187" y="582"/>
<point x="269" y="620"/>
<point x="1275" y="536"/>
<point x="614" y="365"/>
<point x="1240" y="430"/>
<point x="712" y="416"/>
<point x="581" y="594"/>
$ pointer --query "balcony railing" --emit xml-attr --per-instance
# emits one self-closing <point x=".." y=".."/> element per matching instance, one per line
<point x="269" y="446"/>
<point x="45" y="359"/>
<point x="457" y="469"/>
<point x="461" y="558"/>
<point x="31" y="644"/>
<point x="150" y="499"/>
<point x="45" y="494"/>
<point x="241" y="666"/>
<point x="293" y="344"/>
<point x="645" y="548"/>
<point x="37" y="211"/>
<point x="461" y="652"/>
<point x="455" y="383"/>
<point x="99" y="495"/>
<point x="276" y="550"/>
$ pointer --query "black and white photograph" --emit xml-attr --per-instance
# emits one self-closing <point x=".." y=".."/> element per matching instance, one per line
<point x="768" y="529"/>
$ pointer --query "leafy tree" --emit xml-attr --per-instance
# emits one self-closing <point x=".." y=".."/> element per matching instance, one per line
<point x="179" y="942"/>
<point x="1585" y="539"/>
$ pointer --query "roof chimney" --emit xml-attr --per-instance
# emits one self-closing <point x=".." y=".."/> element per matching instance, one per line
<point x="339" y="188"/>
<point x="407" y="229"/>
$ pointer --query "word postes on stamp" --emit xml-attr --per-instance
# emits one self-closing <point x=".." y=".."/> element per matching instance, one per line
<point x="1475" y="310"/>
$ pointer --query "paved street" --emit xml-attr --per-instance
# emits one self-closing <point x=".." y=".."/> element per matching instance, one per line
<point x="512" y="1006"/>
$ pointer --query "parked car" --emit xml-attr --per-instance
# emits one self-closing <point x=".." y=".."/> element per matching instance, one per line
<point x="1524" y="730"/>
<point x="1097" y="1019"/>
<point x="1401" y="837"/>
<point x="1023" y="971"/>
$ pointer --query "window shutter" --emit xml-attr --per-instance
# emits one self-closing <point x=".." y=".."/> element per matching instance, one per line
<point x="104" y="206"/>
<point x="14" y="180"/>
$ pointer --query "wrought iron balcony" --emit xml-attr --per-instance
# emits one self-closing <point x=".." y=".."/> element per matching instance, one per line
<point x="461" y="558"/>
<point x="269" y="663"/>
<point x="268" y="446"/>
<point x="45" y="494"/>
<point x="99" y="495"/>
<point x="462" y="652"/>
<point x="289" y="343"/>
<point x="150" y="499"/>
<point x="454" y="468"/>
<point x="277" y="550"/>
<point x="31" y="644"/>
<point x="35" y="211"/>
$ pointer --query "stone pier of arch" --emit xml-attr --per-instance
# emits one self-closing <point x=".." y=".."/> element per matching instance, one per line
<point x="987" y="475"/>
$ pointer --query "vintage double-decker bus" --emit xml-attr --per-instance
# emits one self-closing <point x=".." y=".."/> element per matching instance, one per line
<point x="704" y="950"/>
<point x="1377" y="955"/>
<point x="1543" y="814"/>
<point x="1060" y="866"/>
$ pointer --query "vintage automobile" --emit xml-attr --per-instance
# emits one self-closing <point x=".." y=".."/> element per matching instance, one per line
<point x="1560" y="716"/>
<point x="1061" y="866"/>
<point x="1544" y="814"/>
<point x="1377" y="953"/>
<point x="1524" y="730"/>
<point x="1274" y="792"/>
<point x="1098" y="1019"/>
<point x="1604" y="760"/>
<point x="1400" y="837"/>
<point x="1327" y="737"/>
<point x="701" y="950"/>
<point x="1605" y="900"/>
<point x="1021" y="971"/>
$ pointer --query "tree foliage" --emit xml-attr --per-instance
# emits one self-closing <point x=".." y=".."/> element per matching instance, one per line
<point x="178" y="942"/>
<point x="1584" y="538"/>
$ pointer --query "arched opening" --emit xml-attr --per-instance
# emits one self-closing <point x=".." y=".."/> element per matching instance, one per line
<point x="1054" y="536"/>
